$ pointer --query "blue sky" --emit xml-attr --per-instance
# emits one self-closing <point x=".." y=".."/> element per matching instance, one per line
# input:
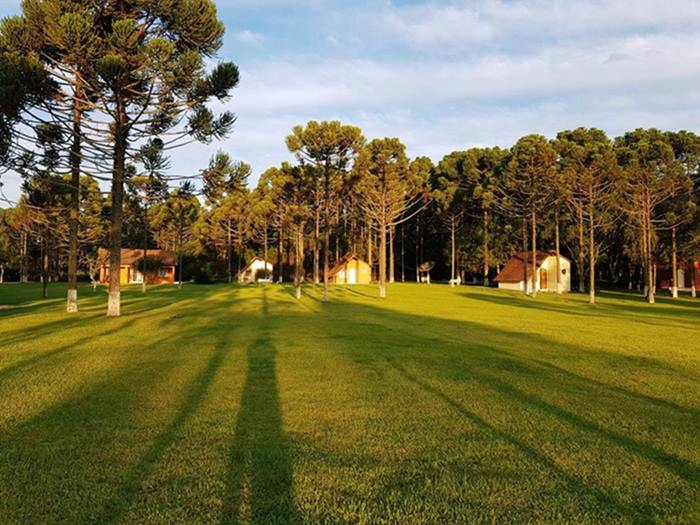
<point x="451" y="74"/>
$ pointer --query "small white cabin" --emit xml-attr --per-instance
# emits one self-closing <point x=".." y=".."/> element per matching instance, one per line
<point x="257" y="271"/>
<point x="512" y="275"/>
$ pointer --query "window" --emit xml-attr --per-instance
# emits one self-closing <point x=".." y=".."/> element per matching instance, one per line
<point x="163" y="272"/>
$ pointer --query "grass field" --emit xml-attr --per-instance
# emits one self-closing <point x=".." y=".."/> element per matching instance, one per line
<point x="220" y="404"/>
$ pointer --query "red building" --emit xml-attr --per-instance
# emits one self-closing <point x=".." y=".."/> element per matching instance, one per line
<point x="129" y="272"/>
<point x="687" y="272"/>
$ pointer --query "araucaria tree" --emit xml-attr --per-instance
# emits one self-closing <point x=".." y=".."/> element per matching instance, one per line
<point x="482" y="174"/>
<point x="151" y="80"/>
<point x="392" y="190"/>
<point x="451" y="195"/>
<point x="293" y="193"/>
<point x="138" y="68"/>
<point x="228" y="199"/>
<point x="330" y="147"/>
<point x="682" y="207"/>
<point x="528" y="186"/>
<point x="173" y="220"/>
<point x="652" y="176"/>
<point x="149" y="188"/>
<point x="588" y="168"/>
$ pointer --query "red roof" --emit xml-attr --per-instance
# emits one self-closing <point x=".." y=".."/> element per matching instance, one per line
<point x="513" y="270"/>
<point x="132" y="256"/>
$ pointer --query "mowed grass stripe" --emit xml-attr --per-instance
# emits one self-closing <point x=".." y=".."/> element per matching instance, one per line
<point x="226" y="404"/>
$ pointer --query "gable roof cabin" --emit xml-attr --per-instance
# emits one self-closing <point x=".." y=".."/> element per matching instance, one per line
<point x="129" y="272"/>
<point x="350" y="270"/>
<point x="511" y="277"/>
<point x="249" y="274"/>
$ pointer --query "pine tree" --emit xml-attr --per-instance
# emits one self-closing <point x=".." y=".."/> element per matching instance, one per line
<point x="331" y="147"/>
<point x="392" y="190"/>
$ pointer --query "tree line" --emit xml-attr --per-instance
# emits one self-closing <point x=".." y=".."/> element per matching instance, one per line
<point x="628" y="204"/>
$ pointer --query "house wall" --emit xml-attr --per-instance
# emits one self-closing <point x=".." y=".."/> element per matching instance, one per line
<point x="549" y="265"/>
<point x="124" y="274"/>
<point x="363" y="273"/>
<point x="249" y="275"/>
<point x="130" y="275"/>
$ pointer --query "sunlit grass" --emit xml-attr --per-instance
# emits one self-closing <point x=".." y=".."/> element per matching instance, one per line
<point x="220" y="404"/>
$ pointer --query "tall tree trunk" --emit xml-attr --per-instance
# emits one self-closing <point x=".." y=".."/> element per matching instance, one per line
<point x="674" y="263"/>
<point x="298" y="261"/>
<point x="326" y="264"/>
<point x="73" y="222"/>
<point x="392" y="265"/>
<point x="280" y="241"/>
<point x="649" y="256"/>
<point x="239" y="260"/>
<point x="317" y="240"/>
<point x="326" y="234"/>
<point x="265" y="245"/>
<point x="370" y="251"/>
<point x="558" y="250"/>
<point x="382" y="259"/>
<point x="581" y="250"/>
<point x="24" y="258"/>
<point x="115" y="239"/>
<point x="487" y="261"/>
<point x="418" y="261"/>
<point x="145" y="253"/>
<point x="533" y="220"/>
<point x="229" y="268"/>
<point x="2" y="273"/>
<point x="452" y="251"/>
<point x="403" y="254"/>
<point x="44" y="267"/>
<point x="526" y="278"/>
<point x="592" y="255"/>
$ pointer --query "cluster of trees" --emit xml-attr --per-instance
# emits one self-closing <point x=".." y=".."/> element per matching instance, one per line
<point x="628" y="202"/>
<point x="87" y="87"/>
<point x="617" y="207"/>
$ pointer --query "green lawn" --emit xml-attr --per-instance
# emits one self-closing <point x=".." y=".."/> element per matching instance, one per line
<point x="221" y="404"/>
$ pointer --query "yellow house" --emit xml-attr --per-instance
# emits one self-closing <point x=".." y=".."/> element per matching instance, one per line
<point x="351" y="270"/>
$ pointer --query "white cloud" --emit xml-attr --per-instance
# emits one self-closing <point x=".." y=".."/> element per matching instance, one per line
<point x="249" y="37"/>
<point x="345" y="84"/>
<point x="460" y="24"/>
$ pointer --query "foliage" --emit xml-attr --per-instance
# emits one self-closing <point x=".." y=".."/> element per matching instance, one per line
<point x="150" y="265"/>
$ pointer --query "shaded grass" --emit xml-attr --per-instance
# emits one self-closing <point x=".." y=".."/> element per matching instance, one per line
<point x="241" y="405"/>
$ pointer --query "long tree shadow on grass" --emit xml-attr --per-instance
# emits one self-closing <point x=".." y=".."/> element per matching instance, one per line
<point x="259" y="485"/>
<point x="573" y="482"/>
<point x="633" y="308"/>
<point x="88" y="422"/>
<point x="197" y="391"/>
<point x="470" y="352"/>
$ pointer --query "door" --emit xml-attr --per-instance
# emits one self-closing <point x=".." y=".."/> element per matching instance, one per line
<point x="124" y="275"/>
<point x="352" y="276"/>
<point x="543" y="279"/>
